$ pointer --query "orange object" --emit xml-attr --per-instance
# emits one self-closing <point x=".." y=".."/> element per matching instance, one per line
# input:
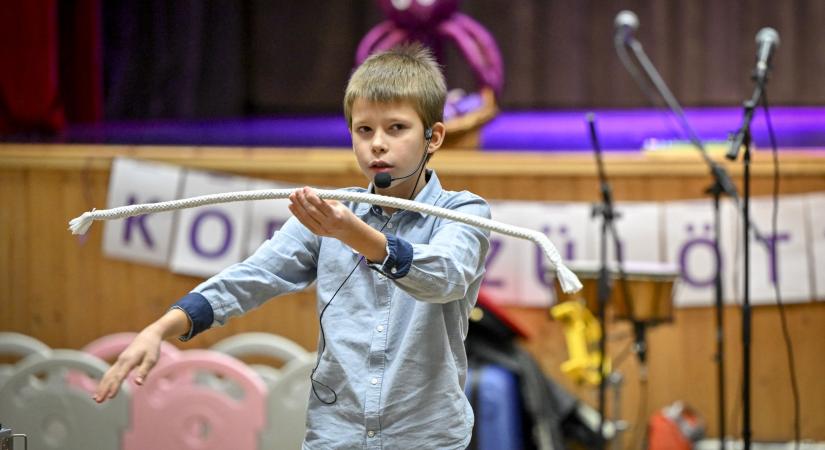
<point x="675" y="427"/>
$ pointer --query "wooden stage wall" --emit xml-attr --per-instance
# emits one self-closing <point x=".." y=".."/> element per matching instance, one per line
<point x="58" y="288"/>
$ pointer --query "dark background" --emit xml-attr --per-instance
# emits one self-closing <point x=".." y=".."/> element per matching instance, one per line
<point x="198" y="59"/>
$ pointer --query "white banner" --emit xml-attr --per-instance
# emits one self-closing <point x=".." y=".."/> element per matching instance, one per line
<point x="144" y="239"/>
<point x="816" y="235"/>
<point x="637" y="225"/>
<point x="689" y="243"/>
<point x="780" y="258"/>
<point x="516" y="269"/>
<point x="209" y="238"/>
<point x="266" y="216"/>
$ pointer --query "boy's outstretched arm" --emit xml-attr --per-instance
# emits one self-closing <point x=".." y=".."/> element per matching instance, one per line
<point x="142" y="353"/>
<point x="333" y="219"/>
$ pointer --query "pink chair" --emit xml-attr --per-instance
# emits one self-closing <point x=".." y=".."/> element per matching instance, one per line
<point x="288" y="388"/>
<point x="176" y="411"/>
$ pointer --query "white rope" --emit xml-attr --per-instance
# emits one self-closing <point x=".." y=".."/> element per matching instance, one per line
<point x="568" y="280"/>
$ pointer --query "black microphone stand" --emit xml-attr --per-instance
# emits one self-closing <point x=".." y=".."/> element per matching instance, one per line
<point x="606" y="210"/>
<point x="722" y="185"/>
<point x="742" y="139"/>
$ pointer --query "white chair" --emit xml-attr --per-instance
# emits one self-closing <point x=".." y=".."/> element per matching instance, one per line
<point x="20" y="345"/>
<point x="37" y="401"/>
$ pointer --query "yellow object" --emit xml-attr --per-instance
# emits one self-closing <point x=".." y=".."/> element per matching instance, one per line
<point x="582" y="333"/>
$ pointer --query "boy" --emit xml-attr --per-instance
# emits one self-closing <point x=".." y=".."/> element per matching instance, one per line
<point x="391" y="365"/>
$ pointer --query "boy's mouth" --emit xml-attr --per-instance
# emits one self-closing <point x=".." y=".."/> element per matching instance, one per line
<point x="380" y="166"/>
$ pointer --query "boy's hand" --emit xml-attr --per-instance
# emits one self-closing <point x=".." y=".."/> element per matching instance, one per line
<point x="325" y="218"/>
<point x="142" y="353"/>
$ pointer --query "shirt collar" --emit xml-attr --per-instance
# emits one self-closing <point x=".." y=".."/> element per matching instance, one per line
<point x="432" y="190"/>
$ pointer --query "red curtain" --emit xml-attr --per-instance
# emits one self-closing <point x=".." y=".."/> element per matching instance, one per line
<point x="50" y="65"/>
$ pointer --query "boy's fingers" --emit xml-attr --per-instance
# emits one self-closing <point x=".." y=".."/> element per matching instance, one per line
<point x="144" y="369"/>
<point x="108" y="387"/>
<point x="308" y="201"/>
<point x="300" y="212"/>
<point x="322" y="206"/>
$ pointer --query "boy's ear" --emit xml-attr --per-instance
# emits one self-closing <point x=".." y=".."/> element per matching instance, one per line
<point x="439" y="131"/>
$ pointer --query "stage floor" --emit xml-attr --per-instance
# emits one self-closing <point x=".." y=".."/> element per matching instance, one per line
<point x="551" y="131"/>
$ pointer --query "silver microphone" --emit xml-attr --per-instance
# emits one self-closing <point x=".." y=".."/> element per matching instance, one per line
<point x="767" y="39"/>
<point x="626" y="24"/>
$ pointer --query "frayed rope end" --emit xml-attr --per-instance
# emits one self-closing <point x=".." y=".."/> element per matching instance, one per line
<point x="569" y="281"/>
<point x="80" y="225"/>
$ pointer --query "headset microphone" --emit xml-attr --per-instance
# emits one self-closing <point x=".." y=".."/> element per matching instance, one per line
<point x="383" y="180"/>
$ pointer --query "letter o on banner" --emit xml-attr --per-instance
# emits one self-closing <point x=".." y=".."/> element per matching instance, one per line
<point x="200" y="219"/>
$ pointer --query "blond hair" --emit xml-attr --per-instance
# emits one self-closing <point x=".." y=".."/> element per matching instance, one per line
<point x="405" y="73"/>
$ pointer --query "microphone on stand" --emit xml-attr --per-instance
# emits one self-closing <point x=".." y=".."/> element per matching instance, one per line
<point x="626" y="24"/>
<point x="767" y="39"/>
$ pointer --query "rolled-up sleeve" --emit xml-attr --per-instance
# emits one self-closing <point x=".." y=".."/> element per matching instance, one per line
<point x="443" y="269"/>
<point x="398" y="260"/>
<point x="199" y="312"/>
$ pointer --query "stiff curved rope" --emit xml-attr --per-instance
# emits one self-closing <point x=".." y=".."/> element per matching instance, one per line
<point x="568" y="280"/>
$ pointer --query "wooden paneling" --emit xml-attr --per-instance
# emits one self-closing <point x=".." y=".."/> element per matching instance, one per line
<point x="60" y="289"/>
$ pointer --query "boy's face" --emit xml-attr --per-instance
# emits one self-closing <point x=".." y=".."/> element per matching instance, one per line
<point x="389" y="137"/>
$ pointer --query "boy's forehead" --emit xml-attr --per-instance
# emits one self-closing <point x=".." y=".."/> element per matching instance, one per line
<point x="369" y="109"/>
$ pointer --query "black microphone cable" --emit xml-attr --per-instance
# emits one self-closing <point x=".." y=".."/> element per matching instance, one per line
<point x="777" y="292"/>
<point x="428" y="137"/>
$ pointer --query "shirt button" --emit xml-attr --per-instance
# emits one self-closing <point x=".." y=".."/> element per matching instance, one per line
<point x="389" y="225"/>
<point x="374" y="381"/>
<point x="380" y="328"/>
<point x="371" y="433"/>
<point x="393" y="270"/>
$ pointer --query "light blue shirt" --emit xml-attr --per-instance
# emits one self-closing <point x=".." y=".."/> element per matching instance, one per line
<point x="394" y="333"/>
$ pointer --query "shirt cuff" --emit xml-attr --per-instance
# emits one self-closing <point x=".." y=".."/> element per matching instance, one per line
<point x="199" y="312"/>
<point x="399" y="257"/>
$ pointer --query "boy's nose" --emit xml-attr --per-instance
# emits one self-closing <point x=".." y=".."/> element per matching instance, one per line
<point x="379" y="144"/>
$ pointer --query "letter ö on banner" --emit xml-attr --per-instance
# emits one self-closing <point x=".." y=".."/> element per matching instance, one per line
<point x="542" y="273"/>
<point x="689" y="246"/>
<point x="194" y="233"/>
<point x="139" y="222"/>
<point x="495" y="248"/>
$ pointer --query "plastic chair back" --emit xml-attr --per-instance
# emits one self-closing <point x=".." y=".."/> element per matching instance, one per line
<point x="37" y="401"/>
<point x="288" y="387"/>
<point x="16" y="344"/>
<point x="177" y="412"/>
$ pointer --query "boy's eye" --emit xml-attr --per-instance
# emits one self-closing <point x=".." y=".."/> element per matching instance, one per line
<point x="363" y="130"/>
<point x="397" y="126"/>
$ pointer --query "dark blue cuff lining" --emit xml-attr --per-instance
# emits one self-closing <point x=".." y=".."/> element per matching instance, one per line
<point x="400" y="257"/>
<point x="199" y="311"/>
